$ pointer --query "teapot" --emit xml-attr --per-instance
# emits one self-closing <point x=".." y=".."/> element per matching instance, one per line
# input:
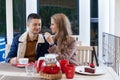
<point x="39" y="63"/>
<point x="50" y="65"/>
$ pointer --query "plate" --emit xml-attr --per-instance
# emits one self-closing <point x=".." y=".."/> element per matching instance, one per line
<point x="98" y="71"/>
<point x="20" y="65"/>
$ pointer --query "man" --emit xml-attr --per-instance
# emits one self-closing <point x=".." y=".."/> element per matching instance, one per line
<point x="30" y="44"/>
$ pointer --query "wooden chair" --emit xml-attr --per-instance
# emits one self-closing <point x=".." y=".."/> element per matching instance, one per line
<point x="84" y="54"/>
<point x="94" y="56"/>
<point x="79" y="43"/>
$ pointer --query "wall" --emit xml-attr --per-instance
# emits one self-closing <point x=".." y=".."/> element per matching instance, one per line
<point x="103" y="6"/>
<point x="117" y="17"/>
<point x="9" y="21"/>
<point x="84" y="21"/>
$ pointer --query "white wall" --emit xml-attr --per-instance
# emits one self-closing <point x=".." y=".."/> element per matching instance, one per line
<point x="109" y="19"/>
<point x="117" y="17"/>
<point x="84" y="21"/>
<point x="9" y="21"/>
<point x="112" y="16"/>
<point x="103" y="22"/>
<point x="31" y="7"/>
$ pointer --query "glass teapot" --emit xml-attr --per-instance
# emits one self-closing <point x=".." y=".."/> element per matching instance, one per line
<point x="50" y="64"/>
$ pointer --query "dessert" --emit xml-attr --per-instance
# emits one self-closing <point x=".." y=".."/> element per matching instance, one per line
<point x="90" y="68"/>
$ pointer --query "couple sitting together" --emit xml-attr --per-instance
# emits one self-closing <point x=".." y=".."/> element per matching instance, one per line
<point x="32" y="44"/>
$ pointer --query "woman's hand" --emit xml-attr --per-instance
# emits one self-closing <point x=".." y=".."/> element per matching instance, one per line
<point x="49" y="38"/>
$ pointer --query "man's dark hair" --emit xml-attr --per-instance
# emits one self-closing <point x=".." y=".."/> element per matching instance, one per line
<point x="33" y="16"/>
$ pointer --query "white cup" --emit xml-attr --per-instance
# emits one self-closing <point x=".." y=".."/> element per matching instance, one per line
<point x="23" y="60"/>
<point x="30" y="69"/>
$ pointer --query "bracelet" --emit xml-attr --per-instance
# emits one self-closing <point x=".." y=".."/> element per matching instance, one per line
<point x="52" y="44"/>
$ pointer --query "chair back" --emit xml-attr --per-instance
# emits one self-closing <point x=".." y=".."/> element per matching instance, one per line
<point x="84" y="54"/>
<point x="2" y="48"/>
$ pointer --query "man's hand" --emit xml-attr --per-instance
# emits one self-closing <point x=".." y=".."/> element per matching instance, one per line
<point x="13" y="60"/>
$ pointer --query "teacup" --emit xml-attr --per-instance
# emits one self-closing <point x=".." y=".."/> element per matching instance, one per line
<point x="62" y="64"/>
<point x="23" y="60"/>
<point x="70" y="71"/>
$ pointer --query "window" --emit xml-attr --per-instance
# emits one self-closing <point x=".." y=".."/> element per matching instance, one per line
<point x="46" y="8"/>
<point x="2" y="18"/>
<point x="94" y="22"/>
<point x="19" y="16"/>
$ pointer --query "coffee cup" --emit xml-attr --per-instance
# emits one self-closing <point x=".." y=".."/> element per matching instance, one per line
<point x="23" y="60"/>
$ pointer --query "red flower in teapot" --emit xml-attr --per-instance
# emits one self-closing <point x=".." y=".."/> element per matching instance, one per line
<point x="50" y="64"/>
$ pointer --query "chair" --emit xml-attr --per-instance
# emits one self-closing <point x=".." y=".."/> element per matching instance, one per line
<point x="2" y="48"/>
<point x="78" y="43"/>
<point x="94" y="56"/>
<point x="84" y="54"/>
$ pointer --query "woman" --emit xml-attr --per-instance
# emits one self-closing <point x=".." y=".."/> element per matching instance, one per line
<point x="61" y="43"/>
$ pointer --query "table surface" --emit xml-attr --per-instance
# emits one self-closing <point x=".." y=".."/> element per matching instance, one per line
<point x="9" y="72"/>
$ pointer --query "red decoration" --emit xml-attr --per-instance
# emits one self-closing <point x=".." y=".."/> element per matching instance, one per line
<point x="50" y="69"/>
<point x="92" y="65"/>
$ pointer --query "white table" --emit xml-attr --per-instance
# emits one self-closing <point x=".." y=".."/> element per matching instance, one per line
<point x="9" y="72"/>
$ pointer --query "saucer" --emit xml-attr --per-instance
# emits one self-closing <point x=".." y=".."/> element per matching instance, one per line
<point x="80" y="70"/>
<point x="20" y="65"/>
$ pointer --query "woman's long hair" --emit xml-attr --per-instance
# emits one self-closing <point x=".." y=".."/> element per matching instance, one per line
<point x="64" y="29"/>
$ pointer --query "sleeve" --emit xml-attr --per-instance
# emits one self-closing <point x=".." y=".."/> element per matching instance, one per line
<point x="68" y="53"/>
<point x="13" y="49"/>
